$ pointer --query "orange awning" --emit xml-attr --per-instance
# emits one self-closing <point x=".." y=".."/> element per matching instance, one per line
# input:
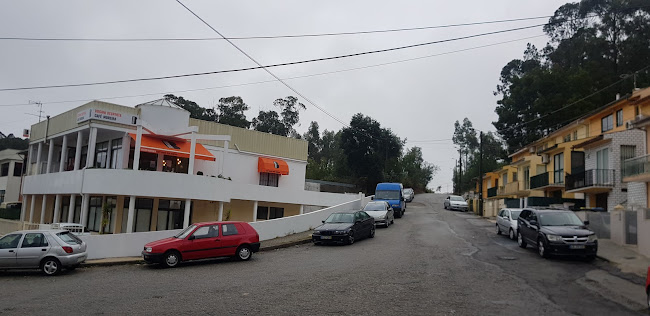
<point x="272" y="165"/>
<point x="177" y="148"/>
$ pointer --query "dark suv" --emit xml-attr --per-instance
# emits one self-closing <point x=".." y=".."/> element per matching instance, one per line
<point x="556" y="232"/>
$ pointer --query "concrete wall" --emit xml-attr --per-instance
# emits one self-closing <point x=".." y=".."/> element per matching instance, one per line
<point x="643" y="229"/>
<point x="617" y="227"/>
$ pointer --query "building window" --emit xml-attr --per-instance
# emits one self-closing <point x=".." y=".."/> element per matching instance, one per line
<point x="170" y="214"/>
<point x="4" y="169"/>
<point x="575" y="135"/>
<point x="84" y="157"/>
<point x="567" y="138"/>
<point x="116" y="153"/>
<point x="2" y="196"/>
<point x="619" y="118"/>
<point x="101" y="155"/>
<point x="265" y="212"/>
<point x="527" y="178"/>
<point x="514" y="176"/>
<point x="18" y="169"/>
<point x="142" y="221"/>
<point x="95" y="214"/>
<point x="607" y="123"/>
<point x="558" y="168"/>
<point x="269" y="179"/>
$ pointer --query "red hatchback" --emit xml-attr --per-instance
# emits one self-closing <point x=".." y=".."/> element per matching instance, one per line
<point x="204" y="240"/>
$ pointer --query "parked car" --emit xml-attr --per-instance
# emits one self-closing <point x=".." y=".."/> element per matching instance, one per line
<point x="647" y="286"/>
<point x="455" y="202"/>
<point x="381" y="212"/>
<point x="51" y="251"/>
<point x="344" y="227"/>
<point x="74" y="228"/>
<point x="507" y="221"/>
<point x="393" y="194"/>
<point x="409" y="194"/>
<point x="202" y="241"/>
<point x="556" y="232"/>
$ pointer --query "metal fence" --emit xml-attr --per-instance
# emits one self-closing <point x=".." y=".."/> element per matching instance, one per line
<point x="630" y="228"/>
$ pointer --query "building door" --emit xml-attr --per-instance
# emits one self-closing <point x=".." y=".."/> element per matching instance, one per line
<point x="601" y="200"/>
<point x="558" y="168"/>
<point x="602" y="164"/>
<point x="577" y="162"/>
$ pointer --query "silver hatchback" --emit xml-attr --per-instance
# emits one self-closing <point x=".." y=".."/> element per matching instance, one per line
<point x="47" y="250"/>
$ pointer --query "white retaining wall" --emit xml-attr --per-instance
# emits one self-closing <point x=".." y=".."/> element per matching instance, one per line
<point x="131" y="245"/>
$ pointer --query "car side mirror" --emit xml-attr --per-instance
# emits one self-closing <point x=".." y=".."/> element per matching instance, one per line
<point x="372" y="198"/>
<point x="323" y="222"/>
<point x="586" y="222"/>
<point x="191" y="237"/>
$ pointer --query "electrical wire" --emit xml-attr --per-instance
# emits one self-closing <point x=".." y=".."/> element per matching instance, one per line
<point x="290" y="78"/>
<point x="70" y="39"/>
<point x="273" y="65"/>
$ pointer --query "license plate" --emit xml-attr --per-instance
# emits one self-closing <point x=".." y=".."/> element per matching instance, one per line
<point x="325" y="237"/>
<point x="577" y="247"/>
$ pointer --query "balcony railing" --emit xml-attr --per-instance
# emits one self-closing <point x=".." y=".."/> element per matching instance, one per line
<point x="636" y="166"/>
<point x="512" y="187"/>
<point x="492" y="192"/>
<point x="591" y="178"/>
<point x="538" y="181"/>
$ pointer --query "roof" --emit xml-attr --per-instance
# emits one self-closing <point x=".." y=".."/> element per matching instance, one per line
<point x="11" y="154"/>
<point x="389" y="186"/>
<point x="161" y="102"/>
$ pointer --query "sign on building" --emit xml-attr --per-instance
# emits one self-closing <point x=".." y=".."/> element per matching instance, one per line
<point x="108" y="116"/>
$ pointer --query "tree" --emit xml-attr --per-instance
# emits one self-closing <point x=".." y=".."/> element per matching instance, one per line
<point x="313" y="141"/>
<point x="196" y="111"/>
<point x="11" y="142"/>
<point x="592" y="44"/>
<point x="231" y="112"/>
<point x="417" y="172"/>
<point x="280" y="124"/>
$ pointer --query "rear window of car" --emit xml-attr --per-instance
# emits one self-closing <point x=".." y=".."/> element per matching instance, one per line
<point x="69" y="238"/>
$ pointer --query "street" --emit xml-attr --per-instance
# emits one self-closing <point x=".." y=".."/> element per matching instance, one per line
<point x="431" y="262"/>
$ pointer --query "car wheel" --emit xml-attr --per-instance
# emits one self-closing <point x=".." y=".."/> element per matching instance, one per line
<point x="392" y="221"/>
<point x="511" y="234"/>
<point x="51" y="266"/>
<point x="171" y="259"/>
<point x="498" y="230"/>
<point x="520" y="240"/>
<point x="541" y="248"/>
<point x="387" y="223"/>
<point x="244" y="253"/>
<point x="445" y="206"/>
<point x="350" y="238"/>
<point x="372" y="232"/>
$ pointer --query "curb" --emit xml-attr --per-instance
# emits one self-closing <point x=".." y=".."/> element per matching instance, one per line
<point x="290" y="244"/>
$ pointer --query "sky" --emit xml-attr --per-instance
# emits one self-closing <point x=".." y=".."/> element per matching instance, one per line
<point x="418" y="100"/>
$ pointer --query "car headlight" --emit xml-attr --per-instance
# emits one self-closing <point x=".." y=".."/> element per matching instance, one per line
<point x="592" y="238"/>
<point x="316" y="232"/>
<point x="147" y="249"/>
<point x="341" y="232"/>
<point x="382" y="217"/>
<point x="555" y="238"/>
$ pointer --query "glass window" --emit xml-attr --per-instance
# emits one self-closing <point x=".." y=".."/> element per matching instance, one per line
<point x="607" y="123"/>
<point x="387" y="195"/>
<point x="94" y="214"/>
<point x="116" y="153"/>
<point x="84" y="157"/>
<point x="558" y="168"/>
<point x="515" y="214"/>
<point x="262" y="212"/>
<point x="229" y="230"/>
<point x="69" y="238"/>
<point x="202" y="232"/>
<point x="501" y="212"/>
<point x="269" y="179"/>
<point x="4" y="169"/>
<point x="18" y="169"/>
<point x="101" y="155"/>
<point x="2" y="196"/>
<point x="375" y="206"/>
<point x="185" y="232"/>
<point x="33" y="240"/>
<point x="276" y="212"/>
<point x="575" y="135"/>
<point x="619" y="118"/>
<point x="559" y="219"/>
<point x="170" y="214"/>
<point x="143" y="209"/>
<point x="10" y="241"/>
<point x="340" y="218"/>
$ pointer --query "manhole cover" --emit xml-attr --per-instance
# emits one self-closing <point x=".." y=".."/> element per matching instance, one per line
<point x="507" y="258"/>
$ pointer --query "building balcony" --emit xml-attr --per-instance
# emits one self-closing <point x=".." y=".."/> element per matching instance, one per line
<point x="548" y="180"/>
<point x="591" y="181"/>
<point x="492" y="192"/>
<point x="636" y="169"/>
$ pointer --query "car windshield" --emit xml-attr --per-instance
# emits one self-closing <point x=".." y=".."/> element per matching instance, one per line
<point x="387" y="195"/>
<point x="340" y="218"/>
<point x="559" y="219"/>
<point x="69" y="238"/>
<point x="375" y="207"/>
<point x="185" y="232"/>
<point x="457" y="199"/>
<point x="515" y="214"/>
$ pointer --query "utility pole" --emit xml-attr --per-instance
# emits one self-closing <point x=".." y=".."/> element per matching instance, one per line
<point x="460" y="169"/>
<point x="480" y="174"/>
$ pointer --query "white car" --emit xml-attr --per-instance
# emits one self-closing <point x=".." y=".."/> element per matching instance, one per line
<point x="455" y="202"/>
<point x="507" y="222"/>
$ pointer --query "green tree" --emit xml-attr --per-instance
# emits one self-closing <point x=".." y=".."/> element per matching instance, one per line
<point x="280" y="124"/>
<point x="11" y="142"/>
<point x="231" y="112"/>
<point x="313" y="141"/>
<point x="269" y="122"/>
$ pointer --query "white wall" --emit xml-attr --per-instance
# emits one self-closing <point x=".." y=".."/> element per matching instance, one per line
<point x="242" y="167"/>
<point x="164" y="117"/>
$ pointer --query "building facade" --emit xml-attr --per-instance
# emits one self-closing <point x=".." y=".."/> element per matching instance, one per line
<point x="151" y="167"/>
<point x="11" y="171"/>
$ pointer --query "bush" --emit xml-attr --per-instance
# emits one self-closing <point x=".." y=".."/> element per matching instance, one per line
<point x="10" y="213"/>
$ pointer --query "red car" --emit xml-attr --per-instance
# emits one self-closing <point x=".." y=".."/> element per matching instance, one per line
<point x="204" y="240"/>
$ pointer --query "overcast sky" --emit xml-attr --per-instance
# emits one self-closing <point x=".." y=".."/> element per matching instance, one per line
<point x="419" y="100"/>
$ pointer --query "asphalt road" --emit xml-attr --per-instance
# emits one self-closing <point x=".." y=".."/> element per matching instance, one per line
<point x="431" y="262"/>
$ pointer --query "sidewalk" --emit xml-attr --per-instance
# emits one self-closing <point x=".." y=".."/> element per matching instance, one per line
<point x="272" y="244"/>
<point x="624" y="257"/>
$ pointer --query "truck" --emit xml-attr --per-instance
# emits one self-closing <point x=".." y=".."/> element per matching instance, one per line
<point x="393" y="194"/>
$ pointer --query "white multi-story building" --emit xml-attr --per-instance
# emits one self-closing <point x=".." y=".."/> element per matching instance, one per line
<point x="156" y="168"/>
<point x="11" y="167"/>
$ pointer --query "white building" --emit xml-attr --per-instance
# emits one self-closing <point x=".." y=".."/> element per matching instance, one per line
<point x="11" y="167"/>
<point x="158" y="169"/>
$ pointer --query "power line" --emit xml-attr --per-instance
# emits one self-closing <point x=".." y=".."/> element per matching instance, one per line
<point x="274" y="65"/>
<point x="71" y="39"/>
<point x="294" y="77"/>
